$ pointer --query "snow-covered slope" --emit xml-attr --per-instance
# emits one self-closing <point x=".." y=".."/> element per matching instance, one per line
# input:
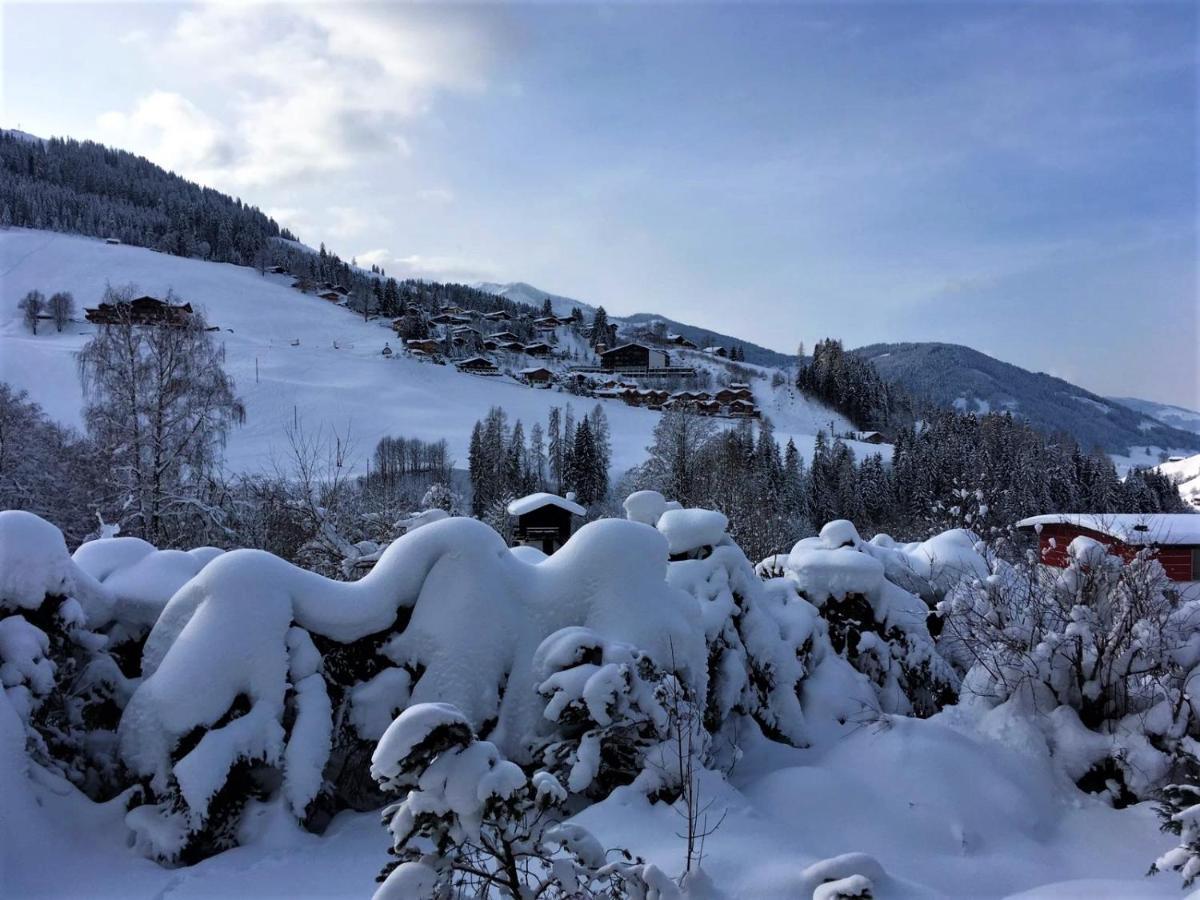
<point x="1175" y="416"/>
<point x="1186" y="473"/>
<point x="520" y="292"/>
<point x="336" y="377"/>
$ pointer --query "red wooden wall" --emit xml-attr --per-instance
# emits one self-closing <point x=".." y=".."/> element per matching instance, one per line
<point x="1176" y="561"/>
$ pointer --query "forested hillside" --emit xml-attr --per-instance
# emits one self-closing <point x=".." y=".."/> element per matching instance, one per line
<point x="86" y="188"/>
<point x="956" y="377"/>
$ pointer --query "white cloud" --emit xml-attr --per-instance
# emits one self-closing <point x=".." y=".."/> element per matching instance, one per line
<point x="172" y="130"/>
<point x="295" y="91"/>
<point x="450" y="268"/>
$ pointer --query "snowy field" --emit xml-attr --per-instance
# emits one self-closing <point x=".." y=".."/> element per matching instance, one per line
<point x="946" y="813"/>
<point x="336" y="376"/>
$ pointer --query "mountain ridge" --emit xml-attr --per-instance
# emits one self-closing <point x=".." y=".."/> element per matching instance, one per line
<point x="960" y="377"/>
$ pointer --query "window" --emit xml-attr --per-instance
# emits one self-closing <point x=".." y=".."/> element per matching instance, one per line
<point x="1196" y="564"/>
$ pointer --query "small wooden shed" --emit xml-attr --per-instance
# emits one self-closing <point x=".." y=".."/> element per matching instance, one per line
<point x="544" y="520"/>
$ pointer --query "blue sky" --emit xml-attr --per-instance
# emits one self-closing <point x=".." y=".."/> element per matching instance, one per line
<point x="1019" y="178"/>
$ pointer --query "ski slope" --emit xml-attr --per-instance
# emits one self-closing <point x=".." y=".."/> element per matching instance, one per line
<point x="335" y="377"/>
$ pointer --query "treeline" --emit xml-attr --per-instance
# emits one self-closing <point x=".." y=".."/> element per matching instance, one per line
<point x="850" y="384"/>
<point x="565" y="456"/>
<point x="982" y="473"/>
<point x="86" y="188"/>
<point x="990" y="471"/>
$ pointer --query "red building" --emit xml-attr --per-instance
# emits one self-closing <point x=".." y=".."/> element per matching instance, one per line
<point x="1175" y="537"/>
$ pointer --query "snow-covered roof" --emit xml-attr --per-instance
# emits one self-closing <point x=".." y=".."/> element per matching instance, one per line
<point x="1129" y="528"/>
<point x="523" y="505"/>
<point x="630" y="344"/>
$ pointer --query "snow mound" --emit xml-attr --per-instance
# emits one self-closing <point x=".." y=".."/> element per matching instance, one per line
<point x="645" y="507"/>
<point x="688" y="530"/>
<point x="140" y="578"/>
<point x="34" y="564"/>
<point x="33" y="561"/>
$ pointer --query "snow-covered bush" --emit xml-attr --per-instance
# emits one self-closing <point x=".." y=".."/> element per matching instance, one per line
<point x="870" y="620"/>
<point x="1101" y="654"/>
<point x="55" y="667"/>
<point x="471" y="823"/>
<point x="610" y="713"/>
<point x="302" y="673"/>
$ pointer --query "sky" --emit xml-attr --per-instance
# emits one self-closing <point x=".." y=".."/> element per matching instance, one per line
<point x="1020" y="178"/>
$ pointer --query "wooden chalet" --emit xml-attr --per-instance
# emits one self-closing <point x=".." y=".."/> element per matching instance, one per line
<point x="504" y="337"/>
<point x="425" y="345"/>
<point x="870" y="437"/>
<point x="537" y="375"/>
<point x="144" y="310"/>
<point x="544" y="520"/>
<point x="730" y="394"/>
<point x="680" y="341"/>
<point x="331" y="296"/>
<point x="477" y="365"/>
<point x="499" y="315"/>
<point x="538" y="348"/>
<point x="1173" y="537"/>
<point x="632" y="358"/>
<point x="716" y="351"/>
<point x="742" y="408"/>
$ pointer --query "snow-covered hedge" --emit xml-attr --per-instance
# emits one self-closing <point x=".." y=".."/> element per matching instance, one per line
<point x="301" y="672"/>
<point x="238" y="675"/>
<point x="55" y="668"/>
<point x="1103" y="657"/>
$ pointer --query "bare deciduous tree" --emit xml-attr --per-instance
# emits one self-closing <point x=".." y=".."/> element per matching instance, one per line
<point x="31" y="306"/>
<point x="159" y="406"/>
<point x="61" y="307"/>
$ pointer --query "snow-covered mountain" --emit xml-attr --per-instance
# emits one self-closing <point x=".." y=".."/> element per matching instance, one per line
<point x="1175" y="416"/>
<point x="520" y="292"/>
<point x="951" y="375"/>
<point x="295" y="355"/>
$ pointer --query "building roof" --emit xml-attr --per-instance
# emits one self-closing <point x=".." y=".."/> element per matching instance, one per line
<point x="1129" y="528"/>
<point x="630" y="344"/>
<point x="477" y="362"/>
<point x="528" y="504"/>
<point x="533" y="370"/>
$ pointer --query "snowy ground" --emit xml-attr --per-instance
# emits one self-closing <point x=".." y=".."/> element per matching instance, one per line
<point x="946" y="813"/>
<point x="351" y="386"/>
